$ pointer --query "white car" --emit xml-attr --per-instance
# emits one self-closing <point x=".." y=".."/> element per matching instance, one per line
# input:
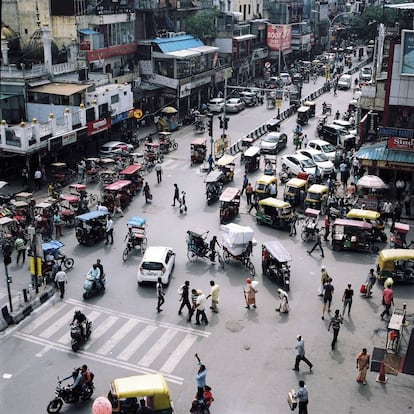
<point x="297" y="163"/>
<point x="158" y="261"/>
<point x="234" y="105"/>
<point x="344" y="82"/>
<point x="115" y="147"/>
<point x="365" y="75"/>
<point x="249" y="98"/>
<point x="273" y="142"/>
<point x="285" y="77"/>
<point x="216" y="105"/>
<point x="323" y="146"/>
<point x="325" y="166"/>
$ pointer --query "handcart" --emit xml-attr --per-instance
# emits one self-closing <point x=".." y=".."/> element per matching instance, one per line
<point x="136" y="237"/>
<point x="197" y="247"/>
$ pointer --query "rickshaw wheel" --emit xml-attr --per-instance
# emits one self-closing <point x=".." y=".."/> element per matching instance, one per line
<point x="374" y="249"/>
<point x="125" y="254"/>
<point x="226" y="256"/>
<point x="144" y="244"/>
<point x="175" y="146"/>
<point x="304" y="235"/>
<point x="251" y="268"/>
<point x="93" y="199"/>
<point x="68" y="263"/>
<point x="192" y="257"/>
<point x="336" y="247"/>
<point x="221" y="261"/>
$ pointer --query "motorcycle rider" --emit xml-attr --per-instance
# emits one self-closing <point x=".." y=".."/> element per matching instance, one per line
<point x="94" y="272"/>
<point x="100" y="267"/>
<point x="76" y="387"/>
<point x="81" y="320"/>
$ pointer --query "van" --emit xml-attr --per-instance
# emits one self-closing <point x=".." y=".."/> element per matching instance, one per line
<point x="331" y="133"/>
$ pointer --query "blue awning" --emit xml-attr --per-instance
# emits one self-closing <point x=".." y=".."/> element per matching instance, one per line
<point x="173" y="44"/>
<point x="380" y="152"/>
<point x="88" y="31"/>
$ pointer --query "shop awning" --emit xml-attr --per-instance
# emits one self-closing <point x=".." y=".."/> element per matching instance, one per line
<point x="65" y="89"/>
<point x="88" y="31"/>
<point x="244" y="37"/>
<point x="39" y="83"/>
<point x="380" y="152"/>
<point x="172" y="44"/>
<point x="182" y="54"/>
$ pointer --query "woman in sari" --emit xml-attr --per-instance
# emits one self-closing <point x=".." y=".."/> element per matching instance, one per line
<point x="362" y="363"/>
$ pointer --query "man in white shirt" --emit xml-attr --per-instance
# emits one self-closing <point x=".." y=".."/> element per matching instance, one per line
<point x="201" y="308"/>
<point x="109" y="230"/>
<point x="61" y="279"/>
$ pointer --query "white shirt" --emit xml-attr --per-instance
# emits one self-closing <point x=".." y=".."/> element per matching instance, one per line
<point x="201" y="302"/>
<point x="38" y="174"/>
<point x="109" y="225"/>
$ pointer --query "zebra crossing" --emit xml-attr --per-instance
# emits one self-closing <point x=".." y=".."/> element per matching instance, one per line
<point x="120" y="339"/>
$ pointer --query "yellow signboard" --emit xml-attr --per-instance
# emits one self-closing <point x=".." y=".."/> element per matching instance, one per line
<point x="279" y="103"/>
<point x="221" y="144"/>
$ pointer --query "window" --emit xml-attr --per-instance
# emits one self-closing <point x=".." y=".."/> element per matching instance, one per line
<point x="114" y="99"/>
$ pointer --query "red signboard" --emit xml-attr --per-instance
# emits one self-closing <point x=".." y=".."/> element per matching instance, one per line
<point x="401" y="144"/>
<point x="112" y="51"/>
<point x="279" y="37"/>
<point x="97" y="126"/>
<point x="85" y="45"/>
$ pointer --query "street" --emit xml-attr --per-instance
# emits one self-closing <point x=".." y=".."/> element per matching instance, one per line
<point x="249" y="354"/>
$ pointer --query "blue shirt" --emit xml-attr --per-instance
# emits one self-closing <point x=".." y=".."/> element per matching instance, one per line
<point x="201" y="378"/>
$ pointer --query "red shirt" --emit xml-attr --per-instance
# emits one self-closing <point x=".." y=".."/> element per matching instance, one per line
<point x="388" y="296"/>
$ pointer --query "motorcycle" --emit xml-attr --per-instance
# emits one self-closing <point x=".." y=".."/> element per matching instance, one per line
<point x="77" y="339"/>
<point x="64" y="395"/>
<point x="284" y="175"/>
<point x="91" y="288"/>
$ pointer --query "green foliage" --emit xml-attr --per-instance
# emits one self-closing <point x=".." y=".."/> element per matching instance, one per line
<point x="202" y="24"/>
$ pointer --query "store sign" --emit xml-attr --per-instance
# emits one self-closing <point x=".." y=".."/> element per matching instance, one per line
<point x="279" y="37"/>
<point x="116" y="119"/>
<point x="185" y="90"/>
<point x="69" y="138"/>
<point x="112" y="51"/>
<point x="407" y="53"/>
<point x="97" y="126"/>
<point x="400" y="144"/>
<point x="395" y="132"/>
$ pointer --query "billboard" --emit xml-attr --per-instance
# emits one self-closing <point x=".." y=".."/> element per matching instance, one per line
<point x="407" y="53"/>
<point x="279" y="36"/>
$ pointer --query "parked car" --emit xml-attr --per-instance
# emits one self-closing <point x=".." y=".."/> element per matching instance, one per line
<point x="323" y="146"/>
<point x="158" y="261"/>
<point x="344" y="82"/>
<point x="365" y="75"/>
<point x="325" y="166"/>
<point x="216" y="105"/>
<point x="249" y="98"/>
<point x="297" y="163"/>
<point x="234" y="105"/>
<point x="285" y="77"/>
<point x="273" y="142"/>
<point x="115" y="147"/>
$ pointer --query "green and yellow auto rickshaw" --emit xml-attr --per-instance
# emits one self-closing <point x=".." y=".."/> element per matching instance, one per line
<point x="316" y="196"/>
<point x="293" y="189"/>
<point x="397" y="264"/>
<point x="274" y="212"/>
<point x="262" y="186"/>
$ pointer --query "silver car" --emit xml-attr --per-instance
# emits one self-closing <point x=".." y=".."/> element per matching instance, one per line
<point x="234" y="105"/>
<point x="216" y="105"/>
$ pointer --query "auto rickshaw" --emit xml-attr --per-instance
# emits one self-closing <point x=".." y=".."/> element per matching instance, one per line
<point x="61" y="174"/>
<point x="107" y="177"/>
<point x="397" y="264"/>
<point x="8" y="228"/>
<point x="23" y="196"/>
<point x="252" y="159"/>
<point x="293" y="190"/>
<point x="90" y="227"/>
<point x="71" y="207"/>
<point x="270" y="102"/>
<point x="125" y="394"/>
<point x="245" y="144"/>
<point x="133" y="173"/>
<point x="312" y="108"/>
<point x="370" y="216"/>
<point x="122" y="187"/>
<point x="262" y="186"/>
<point x="229" y="204"/>
<point x="198" y="150"/>
<point x="167" y="143"/>
<point x="275" y="263"/>
<point x="274" y="212"/>
<point x="199" y="125"/>
<point x="350" y="234"/>
<point x="317" y="196"/>
<point x="21" y="211"/>
<point x="214" y="186"/>
<point x="270" y="164"/>
<point x="398" y="236"/>
<point x="52" y="253"/>
<point x="226" y="165"/>
<point x="303" y="115"/>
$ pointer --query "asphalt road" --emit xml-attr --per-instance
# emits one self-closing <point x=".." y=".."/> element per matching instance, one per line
<point x="249" y="353"/>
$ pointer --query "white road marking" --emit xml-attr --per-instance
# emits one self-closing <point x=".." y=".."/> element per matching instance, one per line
<point x="137" y="342"/>
<point x="43" y="351"/>
<point x="157" y="348"/>
<point x="179" y="353"/>
<point x="42" y="318"/>
<point x="65" y="338"/>
<point x="56" y="325"/>
<point x="102" y="328"/>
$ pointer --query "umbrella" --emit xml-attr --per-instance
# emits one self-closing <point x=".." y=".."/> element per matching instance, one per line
<point x="371" y="181"/>
<point x="169" y="110"/>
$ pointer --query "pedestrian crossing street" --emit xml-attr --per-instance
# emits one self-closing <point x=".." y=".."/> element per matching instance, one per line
<point x="139" y="344"/>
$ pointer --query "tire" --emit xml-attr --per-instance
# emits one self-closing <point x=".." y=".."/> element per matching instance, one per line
<point x="305" y="236"/>
<point x="75" y="347"/>
<point x="54" y="406"/>
<point x="85" y="295"/>
<point x="374" y="249"/>
<point x="192" y="257"/>
<point x="251" y="268"/>
<point x="337" y="247"/>
<point x="144" y="244"/>
<point x="68" y="263"/>
<point x="125" y="254"/>
<point x="87" y="394"/>
<point x="383" y="237"/>
<point x="175" y="146"/>
<point x="226" y="256"/>
<point x="79" y="234"/>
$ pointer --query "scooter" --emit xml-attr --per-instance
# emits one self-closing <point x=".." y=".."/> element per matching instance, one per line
<point x="91" y="288"/>
<point x="77" y="339"/>
<point x="284" y="175"/>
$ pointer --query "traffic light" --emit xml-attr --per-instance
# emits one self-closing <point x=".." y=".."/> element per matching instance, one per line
<point x="226" y="122"/>
<point x="210" y="125"/>
<point x="7" y="249"/>
<point x="221" y="122"/>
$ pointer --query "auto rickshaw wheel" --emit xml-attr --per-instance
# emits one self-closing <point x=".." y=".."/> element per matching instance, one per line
<point x="68" y="263"/>
<point x="192" y="256"/>
<point x="93" y="199"/>
<point x="175" y="146"/>
<point x="144" y="244"/>
<point x="251" y="268"/>
<point x="337" y="247"/>
<point x="374" y="249"/>
<point x="226" y="256"/>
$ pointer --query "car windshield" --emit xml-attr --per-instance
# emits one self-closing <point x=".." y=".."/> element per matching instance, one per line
<point x="271" y="138"/>
<point x="308" y="163"/>
<point x="152" y="266"/>
<point x="320" y="158"/>
<point x="327" y="148"/>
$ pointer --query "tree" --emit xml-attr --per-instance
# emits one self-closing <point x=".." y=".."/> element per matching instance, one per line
<point x="202" y="25"/>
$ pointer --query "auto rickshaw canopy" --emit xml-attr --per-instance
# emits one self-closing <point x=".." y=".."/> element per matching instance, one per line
<point x="296" y="183"/>
<point x="118" y="185"/>
<point x="278" y="251"/>
<point x="92" y="215"/>
<point x="229" y="194"/>
<point x="131" y="169"/>
<point x="214" y="176"/>
<point x="401" y="228"/>
<point x="266" y="180"/>
<point x="274" y="202"/>
<point x="359" y="213"/>
<point x="199" y="142"/>
<point x="388" y="257"/>
<point x="150" y="385"/>
<point x="363" y="225"/>
<point x="226" y="159"/>
<point x="136" y="222"/>
<point x="318" y="189"/>
<point x="252" y="152"/>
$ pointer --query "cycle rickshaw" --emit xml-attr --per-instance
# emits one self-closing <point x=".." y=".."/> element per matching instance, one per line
<point x="310" y="227"/>
<point x="136" y="237"/>
<point x="198" y="247"/>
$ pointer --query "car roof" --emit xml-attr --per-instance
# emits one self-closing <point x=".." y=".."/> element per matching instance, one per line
<point x="320" y="142"/>
<point x="345" y="76"/>
<point x="310" y="150"/>
<point x="155" y="253"/>
<point x="298" y="156"/>
<point x="111" y="143"/>
<point x="216" y="100"/>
